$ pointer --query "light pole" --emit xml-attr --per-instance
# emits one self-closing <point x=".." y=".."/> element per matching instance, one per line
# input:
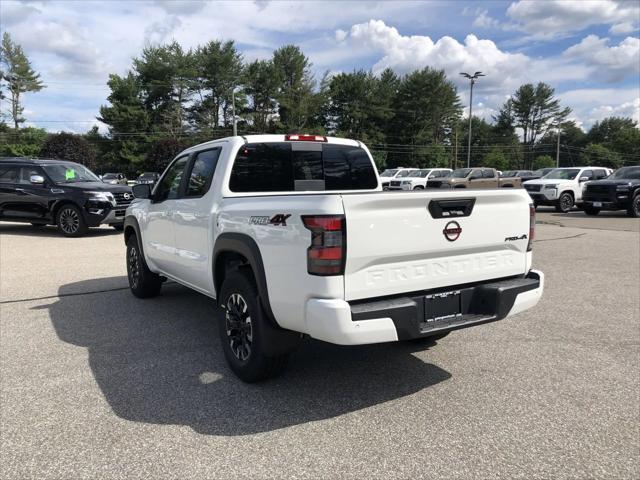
<point x="473" y="79"/>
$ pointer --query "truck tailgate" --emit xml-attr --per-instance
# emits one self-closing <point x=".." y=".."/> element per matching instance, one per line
<point x="397" y="244"/>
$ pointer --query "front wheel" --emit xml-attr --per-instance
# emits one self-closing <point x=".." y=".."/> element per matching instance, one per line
<point x="565" y="203"/>
<point x="419" y="187"/>
<point x="71" y="222"/>
<point x="142" y="281"/>
<point x="119" y="227"/>
<point x="242" y="330"/>
<point x="589" y="210"/>
<point x="634" y="208"/>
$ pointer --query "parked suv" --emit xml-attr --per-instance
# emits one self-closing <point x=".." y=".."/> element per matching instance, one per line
<point x="61" y="193"/>
<point x="417" y="179"/>
<point x="393" y="173"/>
<point x="619" y="191"/>
<point x="562" y="187"/>
<point x="292" y="235"/>
<point x="115" y="178"/>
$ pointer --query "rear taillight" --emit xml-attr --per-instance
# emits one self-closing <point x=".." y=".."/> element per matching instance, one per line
<point x="532" y="226"/>
<point x="327" y="253"/>
<point x="304" y="138"/>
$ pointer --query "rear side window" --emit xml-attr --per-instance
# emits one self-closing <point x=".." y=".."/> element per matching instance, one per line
<point x="204" y="165"/>
<point x="277" y="167"/>
<point x="488" y="174"/>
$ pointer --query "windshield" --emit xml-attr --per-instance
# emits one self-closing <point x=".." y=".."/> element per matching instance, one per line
<point x="631" y="173"/>
<point x="460" y="173"/>
<point x="404" y="173"/>
<point x="69" y="173"/>
<point x="562" y="174"/>
<point x="110" y="176"/>
<point x="147" y="175"/>
<point x="388" y="173"/>
<point x="542" y="172"/>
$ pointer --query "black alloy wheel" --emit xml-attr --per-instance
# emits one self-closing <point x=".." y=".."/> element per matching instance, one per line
<point x="133" y="267"/>
<point x="238" y="327"/>
<point x="71" y="222"/>
<point x="565" y="203"/>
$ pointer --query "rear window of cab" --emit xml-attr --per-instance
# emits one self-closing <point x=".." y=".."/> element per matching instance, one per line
<point x="292" y="166"/>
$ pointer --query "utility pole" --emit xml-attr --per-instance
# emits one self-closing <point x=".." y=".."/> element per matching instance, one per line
<point x="473" y="79"/>
<point x="558" y="148"/>
<point x="455" y="157"/>
<point x="233" y="111"/>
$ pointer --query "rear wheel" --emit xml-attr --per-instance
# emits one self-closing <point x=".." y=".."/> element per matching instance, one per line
<point x="71" y="222"/>
<point x="142" y="281"/>
<point x="418" y="187"/>
<point x="242" y="330"/>
<point x="565" y="203"/>
<point x="589" y="210"/>
<point x="634" y="208"/>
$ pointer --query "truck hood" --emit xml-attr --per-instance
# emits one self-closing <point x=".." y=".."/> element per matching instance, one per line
<point x="548" y="181"/>
<point x="609" y="183"/>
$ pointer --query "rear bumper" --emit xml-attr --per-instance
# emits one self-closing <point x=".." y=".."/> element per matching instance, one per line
<point x="403" y="317"/>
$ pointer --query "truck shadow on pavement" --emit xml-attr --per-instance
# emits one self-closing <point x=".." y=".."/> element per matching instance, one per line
<point x="159" y="361"/>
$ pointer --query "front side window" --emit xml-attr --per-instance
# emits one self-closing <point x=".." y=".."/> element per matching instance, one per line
<point x="169" y="186"/>
<point x="588" y="174"/>
<point x="204" y="165"/>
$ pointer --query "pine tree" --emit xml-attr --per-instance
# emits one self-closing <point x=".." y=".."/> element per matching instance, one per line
<point x="20" y="78"/>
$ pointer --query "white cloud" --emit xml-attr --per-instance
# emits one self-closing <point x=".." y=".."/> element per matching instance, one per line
<point x="553" y="18"/>
<point x="591" y="105"/>
<point x="407" y="53"/>
<point x="611" y="64"/>
<point x="622" y="28"/>
<point x="483" y="20"/>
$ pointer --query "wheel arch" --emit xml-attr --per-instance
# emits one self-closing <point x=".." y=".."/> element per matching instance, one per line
<point x="242" y="248"/>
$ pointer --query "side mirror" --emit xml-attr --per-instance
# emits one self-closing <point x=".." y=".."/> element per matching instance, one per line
<point x="37" y="179"/>
<point x="584" y="179"/>
<point x="141" y="190"/>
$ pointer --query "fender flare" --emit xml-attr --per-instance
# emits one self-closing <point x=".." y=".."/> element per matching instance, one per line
<point x="246" y="246"/>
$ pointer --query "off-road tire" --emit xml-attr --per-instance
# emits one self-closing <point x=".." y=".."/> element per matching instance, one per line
<point x="241" y="328"/>
<point x="142" y="281"/>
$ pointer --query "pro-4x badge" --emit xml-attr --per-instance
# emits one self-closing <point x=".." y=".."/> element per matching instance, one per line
<point x="279" y="219"/>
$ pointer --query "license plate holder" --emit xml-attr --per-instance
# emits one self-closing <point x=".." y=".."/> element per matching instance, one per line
<point x="442" y="308"/>
<point x="597" y="204"/>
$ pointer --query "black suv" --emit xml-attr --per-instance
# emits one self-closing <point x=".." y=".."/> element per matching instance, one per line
<point x="619" y="191"/>
<point x="57" y="192"/>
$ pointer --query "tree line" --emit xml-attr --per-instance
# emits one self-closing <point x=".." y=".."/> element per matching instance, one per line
<point x="172" y="98"/>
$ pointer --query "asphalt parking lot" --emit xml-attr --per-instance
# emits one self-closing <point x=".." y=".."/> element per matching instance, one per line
<point x="96" y="383"/>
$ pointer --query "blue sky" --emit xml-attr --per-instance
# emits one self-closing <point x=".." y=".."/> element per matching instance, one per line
<point x="589" y="50"/>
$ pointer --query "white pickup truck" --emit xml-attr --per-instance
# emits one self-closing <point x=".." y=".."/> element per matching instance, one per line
<point x="292" y="235"/>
